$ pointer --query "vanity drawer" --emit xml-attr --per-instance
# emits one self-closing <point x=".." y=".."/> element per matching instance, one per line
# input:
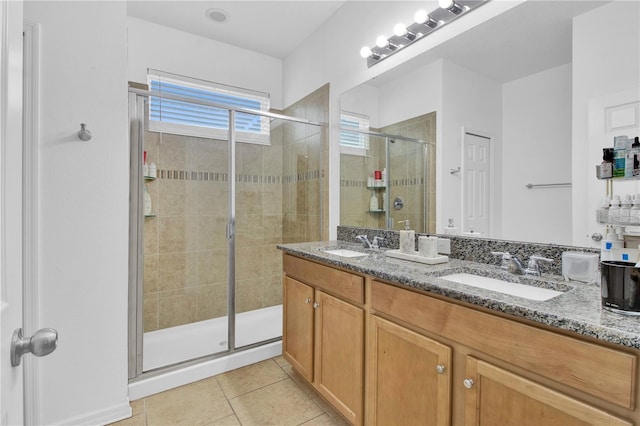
<point x="341" y="283"/>
<point x="603" y="372"/>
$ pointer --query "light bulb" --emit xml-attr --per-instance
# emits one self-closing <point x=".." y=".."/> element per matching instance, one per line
<point x="400" y="30"/>
<point x="365" y="52"/>
<point x="382" y="41"/>
<point x="421" y="16"/>
<point x="445" y="4"/>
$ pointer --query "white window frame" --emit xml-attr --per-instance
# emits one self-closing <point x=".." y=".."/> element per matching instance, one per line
<point x="359" y="122"/>
<point x="261" y="137"/>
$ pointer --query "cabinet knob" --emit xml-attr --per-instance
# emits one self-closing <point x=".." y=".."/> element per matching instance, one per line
<point x="315" y="305"/>
<point x="307" y="300"/>
<point x="440" y="369"/>
<point x="468" y="383"/>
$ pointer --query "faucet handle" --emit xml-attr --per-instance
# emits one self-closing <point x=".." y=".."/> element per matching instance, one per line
<point x="533" y="268"/>
<point x="376" y="241"/>
<point x="506" y="258"/>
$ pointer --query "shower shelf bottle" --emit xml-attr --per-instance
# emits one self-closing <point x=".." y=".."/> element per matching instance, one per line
<point x="147" y="203"/>
<point x="373" y="202"/>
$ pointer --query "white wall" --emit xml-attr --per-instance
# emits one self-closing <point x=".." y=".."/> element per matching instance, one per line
<point x="606" y="60"/>
<point x="362" y="100"/>
<point x="474" y="102"/>
<point x="84" y="201"/>
<point x="537" y="149"/>
<point x="418" y="92"/>
<point x="166" y="49"/>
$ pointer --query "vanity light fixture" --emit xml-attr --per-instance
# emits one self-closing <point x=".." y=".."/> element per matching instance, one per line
<point x="451" y="6"/>
<point x="424" y="24"/>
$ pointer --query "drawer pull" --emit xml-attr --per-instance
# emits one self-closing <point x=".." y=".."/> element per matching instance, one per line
<point x="440" y="369"/>
<point x="468" y="383"/>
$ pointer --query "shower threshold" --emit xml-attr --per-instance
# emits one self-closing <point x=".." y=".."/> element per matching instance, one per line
<point x="185" y="342"/>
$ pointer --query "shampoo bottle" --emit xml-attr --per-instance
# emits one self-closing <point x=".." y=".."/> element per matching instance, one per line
<point x="373" y="202"/>
<point x="145" y="166"/>
<point x="634" y="215"/>
<point x="625" y="210"/>
<point x="147" y="202"/>
<point x="614" y="210"/>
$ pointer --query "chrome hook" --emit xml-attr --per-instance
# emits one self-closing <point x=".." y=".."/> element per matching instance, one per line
<point x="84" y="134"/>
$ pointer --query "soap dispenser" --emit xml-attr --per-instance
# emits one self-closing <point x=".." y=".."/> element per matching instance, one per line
<point x="407" y="238"/>
<point x="451" y="229"/>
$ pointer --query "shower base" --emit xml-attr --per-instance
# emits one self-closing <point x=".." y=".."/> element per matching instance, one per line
<point x="186" y="342"/>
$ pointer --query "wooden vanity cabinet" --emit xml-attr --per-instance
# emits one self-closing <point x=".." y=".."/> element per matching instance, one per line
<point x="409" y="377"/>
<point x="496" y="396"/>
<point x="323" y="332"/>
<point x="506" y="372"/>
<point x="432" y="361"/>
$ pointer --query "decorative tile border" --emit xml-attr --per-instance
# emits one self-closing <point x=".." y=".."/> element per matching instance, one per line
<point x="240" y="178"/>
<point x="353" y="183"/>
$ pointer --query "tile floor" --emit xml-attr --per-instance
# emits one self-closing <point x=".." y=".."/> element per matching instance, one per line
<point x="266" y="393"/>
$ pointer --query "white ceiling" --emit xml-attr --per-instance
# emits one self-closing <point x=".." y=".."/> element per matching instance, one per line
<point x="529" y="38"/>
<point x="274" y="28"/>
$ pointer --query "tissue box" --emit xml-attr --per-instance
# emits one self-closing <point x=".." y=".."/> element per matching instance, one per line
<point x="580" y="266"/>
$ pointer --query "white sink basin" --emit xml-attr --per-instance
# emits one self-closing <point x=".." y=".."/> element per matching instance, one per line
<point x="345" y="252"/>
<point x="494" y="284"/>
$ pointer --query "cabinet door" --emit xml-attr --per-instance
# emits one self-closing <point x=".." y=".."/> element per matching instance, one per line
<point x="409" y="377"/>
<point x="340" y="355"/>
<point x="297" y="330"/>
<point x="498" y="397"/>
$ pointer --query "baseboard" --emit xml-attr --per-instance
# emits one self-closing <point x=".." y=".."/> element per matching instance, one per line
<point x="101" y="417"/>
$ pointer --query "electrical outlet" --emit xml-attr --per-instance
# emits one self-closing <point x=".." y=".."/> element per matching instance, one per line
<point x="444" y="246"/>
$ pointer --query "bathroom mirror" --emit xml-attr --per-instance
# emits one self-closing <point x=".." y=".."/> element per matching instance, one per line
<point x="509" y="86"/>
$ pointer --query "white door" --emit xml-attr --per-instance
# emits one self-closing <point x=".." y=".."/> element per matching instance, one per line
<point x="609" y="116"/>
<point x="476" y="180"/>
<point x="11" y="398"/>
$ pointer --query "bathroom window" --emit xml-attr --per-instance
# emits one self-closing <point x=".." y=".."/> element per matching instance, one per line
<point x="193" y="119"/>
<point x="353" y="143"/>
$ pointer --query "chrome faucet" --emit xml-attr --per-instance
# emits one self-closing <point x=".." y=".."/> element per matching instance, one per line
<point x="375" y="244"/>
<point x="510" y="263"/>
<point x="514" y="265"/>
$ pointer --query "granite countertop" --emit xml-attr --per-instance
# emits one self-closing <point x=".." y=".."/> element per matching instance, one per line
<point x="577" y="310"/>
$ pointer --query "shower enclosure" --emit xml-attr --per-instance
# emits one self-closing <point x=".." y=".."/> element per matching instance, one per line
<point x="403" y="195"/>
<point x="205" y="273"/>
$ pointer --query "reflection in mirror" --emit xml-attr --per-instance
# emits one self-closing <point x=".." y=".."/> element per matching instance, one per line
<point x="521" y="81"/>
<point x="404" y="165"/>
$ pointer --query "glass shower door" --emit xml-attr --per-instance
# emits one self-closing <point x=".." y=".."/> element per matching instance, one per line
<point x="185" y="250"/>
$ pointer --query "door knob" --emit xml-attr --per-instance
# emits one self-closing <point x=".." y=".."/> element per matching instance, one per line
<point x="440" y="369"/>
<point x="468" y="383"/>
<point x="43" y="342"/>
<point x="596" y="236"/>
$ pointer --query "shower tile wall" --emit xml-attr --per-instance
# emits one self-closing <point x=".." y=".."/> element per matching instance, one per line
<point x="305" y="154"/>
<point x="278" y="199"/>
<point x="406" y="176"/>
<point x="185" y="248"/>
<point x="354" y="194"/>
<point x="405" y="162"/>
